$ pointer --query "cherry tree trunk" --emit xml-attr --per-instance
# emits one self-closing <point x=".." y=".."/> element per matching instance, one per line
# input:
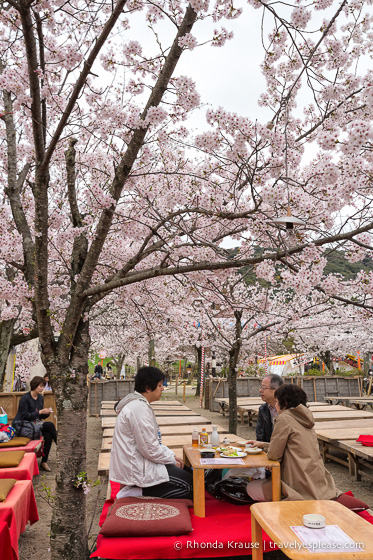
<point x="6" y="331"/>
<point x="234" y="354"/>
<point x="199" y="365"/>
<point x="69" y="537"/>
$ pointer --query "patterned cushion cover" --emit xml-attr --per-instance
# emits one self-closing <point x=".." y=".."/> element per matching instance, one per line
<point x="147" y="517"/>
<point x="11" y="458"/>
<point x="6" y="484"/>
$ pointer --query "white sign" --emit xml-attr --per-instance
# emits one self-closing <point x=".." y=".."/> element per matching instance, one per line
<point x="102" y="354"/>
<point x="300" y="360"/>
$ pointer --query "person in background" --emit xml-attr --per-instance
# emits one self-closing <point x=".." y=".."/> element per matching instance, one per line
<point x="267" y="412"/>
<point x="294" y="444"/>
<point x="139" y="461"/>
<point x="31" y="408"/>
<point x="109" y="371"/>
<point x="98" y="371"/>
<point x="48" y="386"/>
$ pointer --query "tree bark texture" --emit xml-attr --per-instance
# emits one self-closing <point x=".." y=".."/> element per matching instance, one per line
<point x="199" y="363"/>
<point x="6" y="332"/>
<point x="69" y="537"/>
<point x="234" y="354"/>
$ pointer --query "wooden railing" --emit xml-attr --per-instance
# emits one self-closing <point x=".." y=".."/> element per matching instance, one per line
<point x="9" y="402"/>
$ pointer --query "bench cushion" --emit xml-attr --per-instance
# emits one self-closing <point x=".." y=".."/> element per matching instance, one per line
<point x="15" y="442"/>
<point x="352" y="503"/>
<point x="11" y="458"/>
<point x="147" y="517"/>
<point x="6" y="484"/>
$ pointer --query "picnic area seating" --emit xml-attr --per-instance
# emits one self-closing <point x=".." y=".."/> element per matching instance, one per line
<point x="18" y="466"/>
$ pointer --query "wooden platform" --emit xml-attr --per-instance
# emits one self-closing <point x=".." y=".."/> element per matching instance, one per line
<point x="174" y="430"/>
<point x="104" y="461"/>
<point x="166" y="421"/>
<point x="173" y="442"/>
<point x="107" y="413"/>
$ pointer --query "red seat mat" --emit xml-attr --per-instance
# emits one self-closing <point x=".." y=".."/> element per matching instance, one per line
<point x="225" y="531"/>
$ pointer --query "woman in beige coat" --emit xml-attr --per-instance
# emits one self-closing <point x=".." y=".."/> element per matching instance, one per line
<point x="294" y="444"/>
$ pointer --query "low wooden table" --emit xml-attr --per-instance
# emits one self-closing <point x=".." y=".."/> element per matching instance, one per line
<point x="276" y="518"/>
<point x="192" y="458"/>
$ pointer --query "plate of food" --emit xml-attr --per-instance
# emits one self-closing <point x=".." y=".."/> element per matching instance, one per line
<point x="231" y="452"/>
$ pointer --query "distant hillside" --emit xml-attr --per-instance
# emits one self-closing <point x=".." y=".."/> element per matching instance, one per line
<point x="337" y="264"/>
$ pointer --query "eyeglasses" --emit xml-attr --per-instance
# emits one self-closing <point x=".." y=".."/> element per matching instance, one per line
<point x="264" y="388"/>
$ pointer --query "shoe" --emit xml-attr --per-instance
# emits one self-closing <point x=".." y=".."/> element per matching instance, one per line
<point x="45" y="467"/>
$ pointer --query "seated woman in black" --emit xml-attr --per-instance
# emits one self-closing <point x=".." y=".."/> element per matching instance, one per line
<point x="31" y="408"/>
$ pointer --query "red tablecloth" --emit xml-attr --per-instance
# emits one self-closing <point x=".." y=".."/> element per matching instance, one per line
<point x="18" y="509"/>
<point x="26" y="470"/>
<point x="31" y="446"/>
<point x="6" y="551"/>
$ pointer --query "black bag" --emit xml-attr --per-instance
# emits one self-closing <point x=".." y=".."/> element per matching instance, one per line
<point x="233" y="490"/>
<point x="26" y="428"/>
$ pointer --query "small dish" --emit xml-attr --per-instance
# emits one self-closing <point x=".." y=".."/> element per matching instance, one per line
<point x="207" y="453"/>
<point x="314" y="521"/>
<point x="253" y="450"/>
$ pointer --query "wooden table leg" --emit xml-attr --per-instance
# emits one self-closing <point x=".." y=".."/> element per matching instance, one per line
<point x="276" y="484"/>
<point x="256" y="539"/>
<point x="199" y="492"/>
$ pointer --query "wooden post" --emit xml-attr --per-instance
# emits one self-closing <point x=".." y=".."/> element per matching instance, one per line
<point x="184" y="385"/>
<point x="314" y="389"/>
<point x="176" y="384"/>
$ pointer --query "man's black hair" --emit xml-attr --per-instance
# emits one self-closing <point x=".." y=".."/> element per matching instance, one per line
<point x="148" y="377"/>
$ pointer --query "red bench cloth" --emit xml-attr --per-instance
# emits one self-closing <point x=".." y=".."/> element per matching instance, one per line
<point x="26" y="470"/>
<point x="31" y="446"/>
<point x="6" y="551"/>
<point x="225" y="531"/>
<point x="18" y="509"/>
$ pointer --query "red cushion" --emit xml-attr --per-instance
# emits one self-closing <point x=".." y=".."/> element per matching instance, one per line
<point x="352" y="503"/>
<point x="144" y="517"/>
<point x="366" y="440"/>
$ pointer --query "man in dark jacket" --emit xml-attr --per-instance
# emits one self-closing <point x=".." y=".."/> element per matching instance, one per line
<point x="267" y="412"/>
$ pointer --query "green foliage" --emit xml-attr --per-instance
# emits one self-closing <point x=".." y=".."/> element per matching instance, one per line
<point x="337" y="263"/>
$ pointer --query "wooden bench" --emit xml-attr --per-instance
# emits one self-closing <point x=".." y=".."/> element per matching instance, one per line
<point x="165" y="421"/>
<point x="174" y="430"/>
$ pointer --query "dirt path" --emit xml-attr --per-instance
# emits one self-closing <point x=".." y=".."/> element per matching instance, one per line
<point x="34" y="543"/>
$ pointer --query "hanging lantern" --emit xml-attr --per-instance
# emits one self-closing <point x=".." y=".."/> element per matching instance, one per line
<point x="289" y="221"/>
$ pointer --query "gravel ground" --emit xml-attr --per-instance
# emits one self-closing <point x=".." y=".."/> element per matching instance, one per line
<point x="34" y="542"/>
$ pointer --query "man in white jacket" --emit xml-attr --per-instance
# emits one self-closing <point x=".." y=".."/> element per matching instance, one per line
<point x="139" y="461"/>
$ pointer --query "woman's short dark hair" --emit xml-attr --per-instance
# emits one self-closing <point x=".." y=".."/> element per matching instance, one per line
<point x="36" y="381"/>
<point x="290" y="396"/>
<point x="148" y="377"/>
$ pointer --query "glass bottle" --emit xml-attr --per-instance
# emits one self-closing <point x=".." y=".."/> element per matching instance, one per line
<point x="195" y="437"/>
<point x="215" y="440"/>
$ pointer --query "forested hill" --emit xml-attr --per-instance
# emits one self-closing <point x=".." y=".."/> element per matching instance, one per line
<point x="338" y="264"/>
